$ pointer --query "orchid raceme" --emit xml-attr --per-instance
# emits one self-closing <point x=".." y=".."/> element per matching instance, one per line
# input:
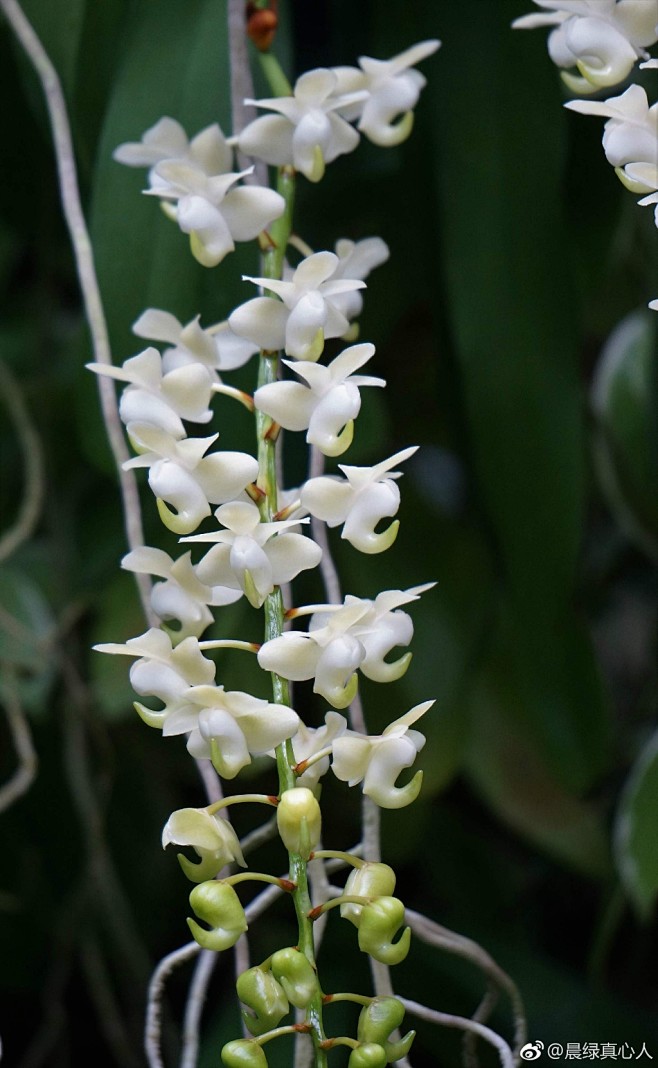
<point x="603" y="39"/>
<point x="260" y="543"/>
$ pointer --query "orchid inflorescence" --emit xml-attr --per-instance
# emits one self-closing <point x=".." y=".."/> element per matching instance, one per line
<point x="256" y="539"/>
<point x="603" y="40"/>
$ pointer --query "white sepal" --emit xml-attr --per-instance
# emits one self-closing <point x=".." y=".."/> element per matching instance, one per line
<point x="210" y="836"/>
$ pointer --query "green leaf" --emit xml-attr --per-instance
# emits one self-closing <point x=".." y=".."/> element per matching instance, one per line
<point x="626" y="437"/>
<point x="635" y="831"/>
<point x="499" y="189"/>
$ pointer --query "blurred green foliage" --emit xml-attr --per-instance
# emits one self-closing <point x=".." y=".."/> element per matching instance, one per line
<point x="515" y="253"/>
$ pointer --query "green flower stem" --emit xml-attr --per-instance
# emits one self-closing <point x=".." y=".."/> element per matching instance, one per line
<point x="241" y="799"/>
<point x="276" y="79"/>
<point x="358" y="999"/>
<point x="275" y="245"/>
<point x="256" y="877"/>
<point x="344" y="899"/>
<point x="338" y="854"/>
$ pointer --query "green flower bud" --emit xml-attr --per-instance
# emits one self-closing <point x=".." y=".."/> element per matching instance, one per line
<point x="376" y="1022"/>
<point x="243" y="1053"/>
<point x="219" y="905"/>
<point x="259" y="991"/>
<point x="299" y="820"/>
<point x="379" y="922"/>
<point x="296" y="975"/>
<point x="370" y="880"/>
<point x="369" y="1055"/>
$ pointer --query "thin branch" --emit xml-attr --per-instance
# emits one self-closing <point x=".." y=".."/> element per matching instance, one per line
<point x="481" y="1015"/>
<point x="84" y="260"/>
<point x="242" y="86"/>
<point x="30" y="444"/>
<point x="442" y="938"/>
<point x="21" y="736"/>
<point x="196" y="999"/>
<point x="259" y="836"/>
<point x="446" y="1019"/>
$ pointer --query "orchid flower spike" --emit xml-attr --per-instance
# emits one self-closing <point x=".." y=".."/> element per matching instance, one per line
<point x="182" y="476"/>
<point x="391" y="91"/>
<point x="630" y="139"/>
<point x="161" y="399"/>
<point x="378" y="760"/>
<point x="217" y="348"/>
<point x="308" y="312"/>
<point x="327" y="405"/>
<point x="212" y="838"/>
<point x="603" y="39"/>
<point x="252" y="556"/>
<point x="230" y="727"/>
<point x="307" y="132"/>
<point x="359" y="501"/>
<point x="163" y="671"/>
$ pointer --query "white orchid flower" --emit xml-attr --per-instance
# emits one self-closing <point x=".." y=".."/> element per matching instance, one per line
<point x="310" y="741"/>
<point x="230" y="726"/>
<point x="378" y="760"/>
<point x="181" y="596"/>
<point x="181" y="475"/>
<point x="308" y="312"/>
<point x="163" y="671"/>
<point x="630" y="138"/>
<point x="306" y="133"/>
<point x="391" y="91"/>
<point x="211" y="211"/>
<point x="252" y="556"/>
<point x="356" y="260"/>
<point x="208" y="150"/>
<point x="158" y="398"/>
<point x="217" y="348"/>
<point x="327" y="405"/>
<point x="602" y="38"/>
<point x="211" y="836"/>
<point x="359" y="501"/>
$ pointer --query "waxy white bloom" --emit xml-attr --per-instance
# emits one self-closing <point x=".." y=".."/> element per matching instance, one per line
<point x="391" y="91"/>
<point x="311" y="740"/>
<point x="251" y="556"/>
<point x="378" y="760"/>
<point x="181" y="596"/>
<point x="630" y="139"/>
<point x="211" y="836"/>
<point x="181" y="475"/>
<point x="308" y="312"/>
<point x="602" y="38"/>
<point x="356" y="260"/>
<point x="163" y="671"/>
<point x="358" y="634"/>
<point x="327" y="405"/>
<point x="359" y="501"/>
<point x="217" y="348"/>
<point x="306" y="132"/>
<point x="208" y="150"/>
<point x="230" y="726"/>
<point x="161" y="399"/>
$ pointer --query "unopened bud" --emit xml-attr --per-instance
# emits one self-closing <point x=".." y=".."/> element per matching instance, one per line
<point x="218" y="905"/>
<point x="378" y="1019"/>
<point x="299" y="820"/>
<point x="243" y="1053"/>
<point x="260" y="992"/>
<point x="261" y="27"/>
<point x="379" y="922"/>
<point x="296" y="975"/>
<point x="370" y="880"/>
<point x="369" y="1055"/>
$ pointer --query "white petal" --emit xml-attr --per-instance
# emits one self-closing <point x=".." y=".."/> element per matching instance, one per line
<point x="291" y="553"/>
<point x="268" y="138"/>
<point x="158" y="326"/>
<point x="327" y="498"/>
<point x="289" y="403"/>
<point x="262" y="321"/>
<point x="293" y="655"/>
<point x="217" y="724"/>
<point x="351" y="754"/>
<point x="223" y="475"/>
<point x="250" y="209"/>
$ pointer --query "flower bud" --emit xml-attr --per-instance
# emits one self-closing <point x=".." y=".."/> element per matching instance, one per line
<point x="378" y="923"/>
<point x="259" y="991"/>
<point x="296" y="975"/>
<point x="243" y="1053"/>
<point x="219" y="905"/>
<point x="378" y="1019"/>
<point x="299" y="820"/>
<point x="370" y="880"/>
<point x="369" y="1055"/>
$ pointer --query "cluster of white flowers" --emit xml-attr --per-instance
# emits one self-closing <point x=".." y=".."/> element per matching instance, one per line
<point x="255" y="550"/>
<point x="604" y="39"/>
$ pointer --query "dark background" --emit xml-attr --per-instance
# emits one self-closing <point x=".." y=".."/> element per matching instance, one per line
<point x="515" y="253"/>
